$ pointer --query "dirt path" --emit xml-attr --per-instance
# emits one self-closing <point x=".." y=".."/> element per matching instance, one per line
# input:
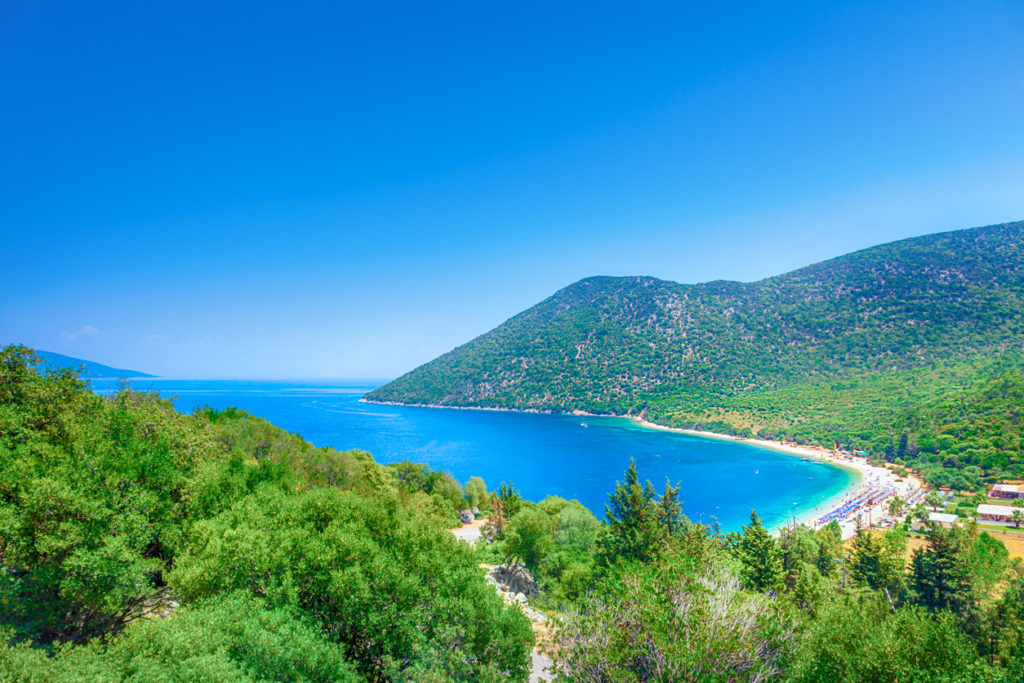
<point x="470" y="533"/>
<point x="540" y="668"/>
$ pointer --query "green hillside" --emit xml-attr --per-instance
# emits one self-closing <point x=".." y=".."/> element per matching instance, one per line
<point x="854" y="351"/>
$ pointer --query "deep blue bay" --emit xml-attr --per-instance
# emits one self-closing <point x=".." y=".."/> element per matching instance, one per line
<point x="541" y="454"/>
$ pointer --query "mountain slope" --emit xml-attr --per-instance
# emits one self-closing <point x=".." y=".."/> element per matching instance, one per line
<point x="615" y="342"/>
<point x="901" y="315"/>
<point x="92" y="370"/>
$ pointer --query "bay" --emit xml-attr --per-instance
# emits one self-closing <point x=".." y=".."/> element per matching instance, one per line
<point x="570" y="456"/>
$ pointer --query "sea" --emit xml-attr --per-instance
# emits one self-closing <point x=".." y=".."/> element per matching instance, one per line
<point x="540" y="454"/>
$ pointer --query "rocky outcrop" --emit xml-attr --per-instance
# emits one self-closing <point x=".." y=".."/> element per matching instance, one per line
<point x="515" y="585"/>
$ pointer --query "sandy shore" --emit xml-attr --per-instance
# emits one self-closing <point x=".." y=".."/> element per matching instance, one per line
<point x="870" y="478"/>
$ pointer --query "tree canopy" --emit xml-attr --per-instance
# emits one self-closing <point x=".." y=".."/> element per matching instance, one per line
<point x="137" y="543"/>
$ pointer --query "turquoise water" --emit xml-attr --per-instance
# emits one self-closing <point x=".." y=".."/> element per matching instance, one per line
<point x="540" y="454"/>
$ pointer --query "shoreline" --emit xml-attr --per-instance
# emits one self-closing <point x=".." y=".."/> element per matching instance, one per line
<point x="874" y="482"/>
<point x="871" y="483"/>
<point x="534" y="411"/>
<point x="869" y="478"/>
<point x="807" y="515"/>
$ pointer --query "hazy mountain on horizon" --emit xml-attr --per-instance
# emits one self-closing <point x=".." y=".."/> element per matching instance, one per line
<point x="92" y="369"/>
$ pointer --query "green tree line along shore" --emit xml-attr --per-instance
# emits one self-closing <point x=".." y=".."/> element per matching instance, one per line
<point x="140" y="544"/>
<point x="912" y="352"/>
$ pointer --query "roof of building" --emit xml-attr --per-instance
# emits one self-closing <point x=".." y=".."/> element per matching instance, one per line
<point x="1005" y="487"/>
<point x="943" y="517"/>
<point x="995" y="510"/>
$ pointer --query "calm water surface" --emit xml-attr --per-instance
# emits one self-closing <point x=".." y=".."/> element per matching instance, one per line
<point x="542" y="455"/>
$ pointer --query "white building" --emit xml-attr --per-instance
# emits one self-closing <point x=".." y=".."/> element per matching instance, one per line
<point x="939" y="519"/>
<point x="995" y="513"/>
<point x="943" y="518"/>
<point x="1006" y="492"/>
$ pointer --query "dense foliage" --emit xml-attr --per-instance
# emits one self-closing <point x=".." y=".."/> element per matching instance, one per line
<point x="140" y="544"/>
<point x="651" y="596"/>
<point x="137" y="543"/>
<point x="921" y="337"/>
<point x="236" y="637"/>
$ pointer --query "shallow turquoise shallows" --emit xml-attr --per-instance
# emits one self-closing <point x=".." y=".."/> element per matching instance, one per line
<point x="568" y="456"/>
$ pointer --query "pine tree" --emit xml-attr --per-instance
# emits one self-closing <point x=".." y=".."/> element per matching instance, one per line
<point x="875" y="565"/>
<point x="510" y="499"/>
<point x="941" y="573"/>
<point x="634" y="532"/>
<point x="762" y="564"/>
<point x="670" y="509"/>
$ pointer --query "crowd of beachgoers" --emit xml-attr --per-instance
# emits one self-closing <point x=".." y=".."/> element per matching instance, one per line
<point x="868" y="502"/>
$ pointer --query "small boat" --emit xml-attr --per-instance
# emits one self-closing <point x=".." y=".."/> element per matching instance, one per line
<point x="584" y="424"/>
<point x="806" y="459"/>
<point x="757" y="471"/>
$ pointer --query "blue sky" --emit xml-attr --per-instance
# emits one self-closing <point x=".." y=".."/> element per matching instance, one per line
<point x="350" y="189"/>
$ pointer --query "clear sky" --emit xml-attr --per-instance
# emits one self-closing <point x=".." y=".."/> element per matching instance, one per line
<point x="350" y="189"/>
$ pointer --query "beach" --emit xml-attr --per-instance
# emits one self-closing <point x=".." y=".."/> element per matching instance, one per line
<point x="866" y="500"/>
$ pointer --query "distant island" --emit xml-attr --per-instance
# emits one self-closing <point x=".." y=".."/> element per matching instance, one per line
<point x="909" y="351"/>
<point x="89" y="369"/>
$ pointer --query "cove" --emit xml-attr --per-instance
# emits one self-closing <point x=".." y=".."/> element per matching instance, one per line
<point x="541" y="454"/>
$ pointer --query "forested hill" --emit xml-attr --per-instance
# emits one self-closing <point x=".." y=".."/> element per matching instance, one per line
<point x="918" y="319"/>
<point x="89" y="369"/>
